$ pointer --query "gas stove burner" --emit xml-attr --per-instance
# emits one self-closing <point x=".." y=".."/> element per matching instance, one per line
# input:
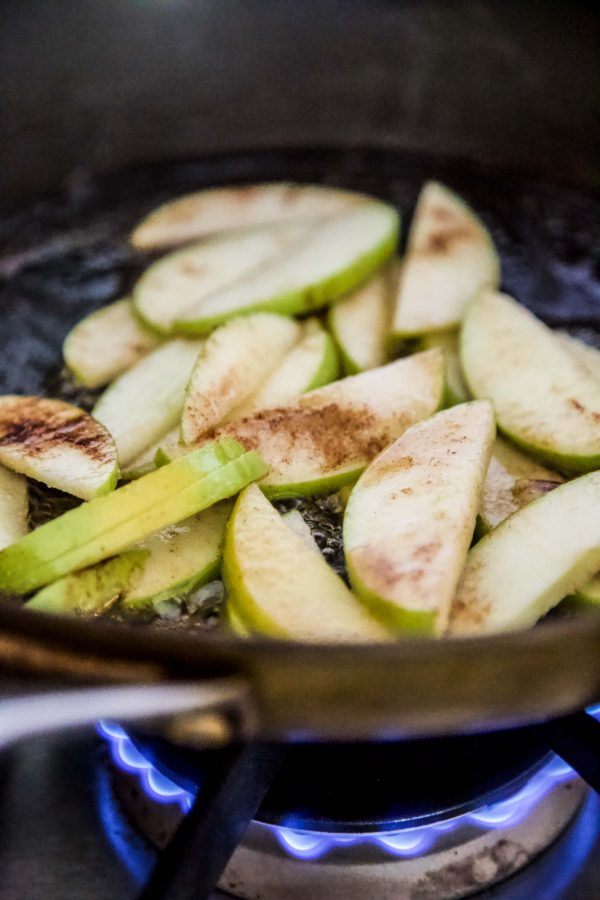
<point x="448" y="857"/>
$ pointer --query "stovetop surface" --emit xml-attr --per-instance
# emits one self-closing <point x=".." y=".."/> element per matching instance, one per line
<point x="62" y="837"/>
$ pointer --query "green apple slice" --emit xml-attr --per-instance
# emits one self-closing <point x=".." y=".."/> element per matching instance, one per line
<point x="327" y="437"/>
<point x="91" y="591"/>
<point x="107" y="343"/>
<point x="450" y="258"/>
<point x="586" y="356"/>
<point x="359" y="323"/>
<point x="104" y="527"/>
<point x="524" y="567"/>
<point x="235" y="360"/>
<point x="146" y="402"/>
<point x="512" y="481"/>
<point x="57" y="444"/>
<point x="194" y="216"/>
<point x="312" y="363"/>
<point x="336" y="255"/>
<point x="545" y="401"/>
<point x="456" y="390"/>
<point x="14" y="507"/>
<point x="410" y="518"/>
<point x="281" y="587"/>
<point x="181" y="558"/>
<point x="178" y="281"/>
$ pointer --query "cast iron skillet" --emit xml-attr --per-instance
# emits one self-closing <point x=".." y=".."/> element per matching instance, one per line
<point x="209" y="687"/>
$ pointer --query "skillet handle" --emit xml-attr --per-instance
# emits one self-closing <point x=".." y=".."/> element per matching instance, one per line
<point x="211" y="713"/>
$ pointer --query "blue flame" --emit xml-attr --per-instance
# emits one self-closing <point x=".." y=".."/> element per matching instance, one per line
<point x="307" y="845"/>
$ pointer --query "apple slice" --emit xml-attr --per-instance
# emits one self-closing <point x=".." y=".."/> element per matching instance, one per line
<point x="450" y="258"/>
<point x="91" y="591"/>
<point x="169" y="287"/>
<point x="326" y="438"/>
<point x="360" y="322"/>
<point x="144" y="404"/>
<point x="545" y="401"/>
<point x="233" y="363"/>
<point x="57" y="444"/>
<point x="104" y="527"/>
<point x="107" y="343"/>
<point x="588" y="594"/>
<point x="410" y="518"/>
<point x="196" y="215"/>
<point x="281" y="587"/>
<point x="181" y="558"/>
<point x="312" y="363"/>
<point x="14" y="507"/>
<point x="456" y="390"/>
<point x="533" y="559"/>
<point x="512" y="480"/>
<point x="336" y="255"/>
<point x="586" y="356"/>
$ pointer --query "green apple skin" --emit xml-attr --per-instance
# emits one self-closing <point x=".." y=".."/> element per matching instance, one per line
<point x="329" y="369"/>
<point x="105" y="527"/>
<point x="456" y="390"/>
<point x="305" y="297"/>
<point x="90" y="591"/>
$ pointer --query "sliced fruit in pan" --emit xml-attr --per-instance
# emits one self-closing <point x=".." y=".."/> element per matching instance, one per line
<point x="91" y="591"/>
<point x="144" y="404"/>
<point x="456" y="390"/>
<point x="312" y="363"/>
<point x="336" y="255"/>
<point x="57" y="444"/>
<point x="410" y="518"/>
<point x="235" y="360"/>
<point x="360" y="323"/>
<point x="449" y="259"/>
<point x="533" y="559"/>
<point x="513" y="480"/>
<point x="236" y="623"/>
<point x="305" y="601"/>
<point x="587" y="356"/>
<point x="327" y="437"/>
<point x="104" y="527"/>
<point x="107" y="343"/>
<point x="195" y="215"/>
<point x="545" y="401"/>
<point x="181" y="279"/>
<point x="14" y="507"/>
<point x="181" y="558"/>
